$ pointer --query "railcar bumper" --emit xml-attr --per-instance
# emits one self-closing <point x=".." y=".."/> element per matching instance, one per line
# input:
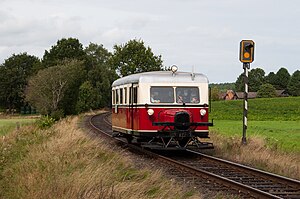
<point x="188" y="124"/>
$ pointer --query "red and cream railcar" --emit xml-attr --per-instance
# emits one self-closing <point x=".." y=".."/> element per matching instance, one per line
<point x="161" y="109"/>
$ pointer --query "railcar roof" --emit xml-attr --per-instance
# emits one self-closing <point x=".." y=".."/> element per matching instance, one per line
<point x="161" y="77"/>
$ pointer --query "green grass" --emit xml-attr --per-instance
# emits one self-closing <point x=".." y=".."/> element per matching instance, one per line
<point x="277" y="120"/>
<point x="7" y="125"/>
<point x="264" y="109"/>
<point x="282" y="135"/>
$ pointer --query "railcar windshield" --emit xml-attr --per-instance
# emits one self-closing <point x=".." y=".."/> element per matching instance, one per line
<point x="187" y="95"/>
<point x="159" y="94"/>
<point x="162" y="94"/>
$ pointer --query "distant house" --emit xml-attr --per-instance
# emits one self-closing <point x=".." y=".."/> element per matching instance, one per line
<point x="251" y="95"/>
<point x="282" y="93"/>
<point x="222" y="95"/>
<point x="232" y="95"/>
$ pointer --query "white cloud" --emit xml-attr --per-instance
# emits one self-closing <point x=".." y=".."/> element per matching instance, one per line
<point x="203" y="34"/>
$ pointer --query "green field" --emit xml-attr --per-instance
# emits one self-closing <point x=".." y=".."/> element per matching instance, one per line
<point x="7" y="125"/>
<point x="270" y="109"/>
<point x="277" y="120"/>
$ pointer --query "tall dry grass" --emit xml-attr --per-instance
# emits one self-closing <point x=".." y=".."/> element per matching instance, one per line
<point x="258" y="154"/>
<point x="64" y="162"/>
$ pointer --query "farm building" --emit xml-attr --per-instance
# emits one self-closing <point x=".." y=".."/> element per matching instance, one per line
<point x="232" y="95"/>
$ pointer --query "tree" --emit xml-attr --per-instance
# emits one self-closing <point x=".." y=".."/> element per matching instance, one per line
<point x="256" y="78"/>
<point x="65" y="49"/>
<point x="54" y="89"/>
<point x="266" y="91"/>
<point x="97" y="54"/>
<point x="14" y="74"/>
<point x="271" y="78"/>
<point x="88" y="97"/>
<point x="215" y="93"/>
<point x="223" y="87"/>
<point x="282" y="79"/>
<point x="239" y="83"/>
<point x="134" y="57"/>
<point x="294" y="84"/>
<point x="101" y="74"/>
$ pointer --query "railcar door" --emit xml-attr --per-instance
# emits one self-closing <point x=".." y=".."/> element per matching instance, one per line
<point x="132" y="106"/>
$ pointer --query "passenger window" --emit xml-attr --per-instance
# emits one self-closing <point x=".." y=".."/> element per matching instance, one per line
<point x="113" y="96"/>
<point x="187" y="95"/>
<point x="135" y="94"/>
<point x="130" y="95"/>
<point x="121" y="96"/>
<point x="125" y="95"/>
<point x="161" y="94"/>
<point x="117" y="96"/>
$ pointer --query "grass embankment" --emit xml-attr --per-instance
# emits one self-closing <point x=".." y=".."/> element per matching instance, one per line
<point x="273" y="133"/>
<point x="7" y="125"/>
<point x="64" y="162"/>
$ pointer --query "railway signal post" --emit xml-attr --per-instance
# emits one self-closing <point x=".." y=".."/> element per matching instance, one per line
<point x="246" y="57"/>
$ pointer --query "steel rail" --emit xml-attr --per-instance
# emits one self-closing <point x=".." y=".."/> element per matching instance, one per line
<point x="231" y="184"/>
<point x="270" y="176"/>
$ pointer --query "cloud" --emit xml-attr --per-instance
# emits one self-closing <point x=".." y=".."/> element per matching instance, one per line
<point x="204" y="34"/>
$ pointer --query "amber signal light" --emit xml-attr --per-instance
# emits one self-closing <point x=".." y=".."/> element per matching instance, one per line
<point x="247" y="51"/>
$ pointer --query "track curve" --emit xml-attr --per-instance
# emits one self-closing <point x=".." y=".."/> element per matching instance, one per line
<point x="247" y="182"/>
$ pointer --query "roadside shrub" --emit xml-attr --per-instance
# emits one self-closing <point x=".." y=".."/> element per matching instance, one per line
<point x="45" y="122"/>
<point x="58" y="114"/>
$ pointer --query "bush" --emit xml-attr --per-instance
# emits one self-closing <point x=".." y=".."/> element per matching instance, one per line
<point x="45" y="122"/>
<point x="57" y="114"/>
<point x="88" y="97"/>
<point x="215" y="94"/>
<point x="266" y="91"/>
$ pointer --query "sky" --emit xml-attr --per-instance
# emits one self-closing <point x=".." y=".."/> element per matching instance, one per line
<point x="199" y="35"/>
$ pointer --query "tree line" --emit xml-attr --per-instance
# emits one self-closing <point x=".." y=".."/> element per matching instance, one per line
<point x="70" y="78"/>
<point x="266" y="85"/>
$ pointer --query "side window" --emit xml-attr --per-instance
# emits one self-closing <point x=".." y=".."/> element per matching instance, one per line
<point x="135" y="94"/>
<point x="113" y="97"/>
<point x="125" y="95"/>
<point x="121" y="96"/>
<point x="130" y="95"/>
<point x="117" y="96"/>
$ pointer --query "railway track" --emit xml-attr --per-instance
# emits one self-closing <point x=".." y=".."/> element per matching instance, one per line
<point x="225" y="175"/>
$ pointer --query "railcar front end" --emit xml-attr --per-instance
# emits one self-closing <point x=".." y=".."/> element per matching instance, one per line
<point x="162" y="110"/>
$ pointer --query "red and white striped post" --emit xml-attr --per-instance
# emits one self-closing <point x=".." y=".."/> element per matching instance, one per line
<point x="246" y="57"/>
<point x="246" y="66"/>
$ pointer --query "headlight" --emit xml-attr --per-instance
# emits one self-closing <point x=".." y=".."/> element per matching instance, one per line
<point x="150" y="111"/>
<point x="174" y="69"/>
<point x="202" y="112"/>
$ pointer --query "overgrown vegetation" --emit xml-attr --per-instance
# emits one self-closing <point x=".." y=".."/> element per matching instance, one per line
<point x="64" y="162"/>
<point x="257" y="153"/>
<point x="45" y="122"/>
